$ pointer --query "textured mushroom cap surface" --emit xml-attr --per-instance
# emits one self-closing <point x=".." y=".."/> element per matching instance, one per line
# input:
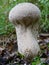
<point x="25" y="13"/>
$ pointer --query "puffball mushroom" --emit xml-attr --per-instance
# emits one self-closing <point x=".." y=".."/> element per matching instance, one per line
<point x="25" y="17"/>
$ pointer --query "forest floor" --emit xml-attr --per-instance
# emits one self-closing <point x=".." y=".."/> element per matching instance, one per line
<point x="10" y="56"/>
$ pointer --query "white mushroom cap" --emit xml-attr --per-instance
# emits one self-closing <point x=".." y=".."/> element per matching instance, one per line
<point x="24" y="13"/>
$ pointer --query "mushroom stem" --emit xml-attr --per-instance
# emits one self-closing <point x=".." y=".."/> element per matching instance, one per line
<point x="27" y="44"/>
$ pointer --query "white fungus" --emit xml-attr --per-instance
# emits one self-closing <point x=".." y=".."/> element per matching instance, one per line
<point x="25" y="17"/>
